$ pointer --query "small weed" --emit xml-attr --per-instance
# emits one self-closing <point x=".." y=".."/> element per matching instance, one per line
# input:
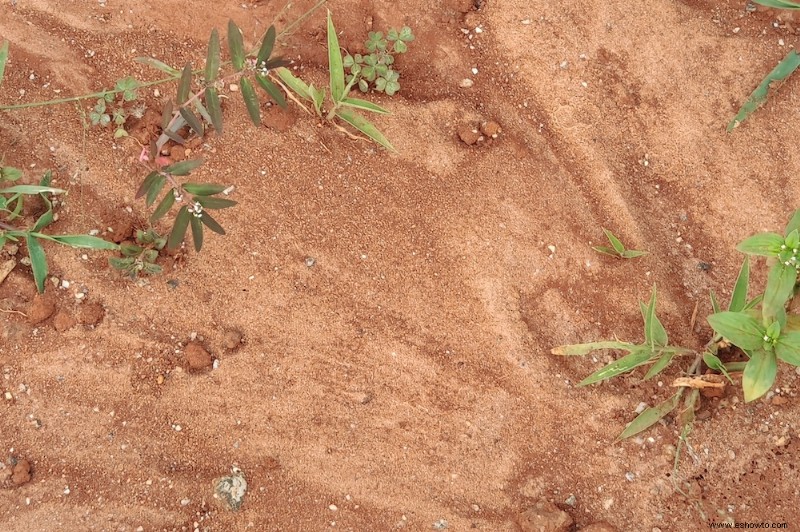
<point x="375" y="69"/>
<point x="140" y="257"/>
<point x="108" y="110"/>
<point x="760" y="327"/>
<point x="617" y="248"/>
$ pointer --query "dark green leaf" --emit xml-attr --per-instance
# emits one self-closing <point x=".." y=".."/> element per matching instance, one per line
<point x="365" y="127"/>
<point x="183" y="167"/>
<point x="759" y="374"/>
<point x="174" y="136"/>
<point x="740" y="329"/>
<point x="155" y="189"/>
<point x="784" y="69"/>
<point x="764" y="244"/>
<point x="236" y="46"/>
<point x="185" y="85"/>
<point x="277" y="63"/>
<point x="714" y="362"/>
<point x="211" y="223"/>
<point x="214" y="109"/>
<point x="130" y="250"/>
<point x="121" y="264"/>
<point x="38" y="262"/>
<point x="212" y="59"/>
<point x="147" y="183"/>
<point x="166" y="114"/>
<point x="203" y="189"/>
<point x="155" y="63"/>
<point x="335" y="65"/>
<point x="179" y="229"/>
<point x="251" y="101"/>
<point x="272" y="89"/>
<point x="163" y="207"/>
<point x="739" y="296"/>
<point x="267" y="43"/>
<point x="623" y="365"/>
<point x="650" y="417"/>
<point x="193" y="121"/>
<point x="197" y="232"/>
<point x="214" y="203"/>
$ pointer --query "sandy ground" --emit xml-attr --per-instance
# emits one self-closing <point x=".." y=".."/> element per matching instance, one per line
<point x="404" y="380"/>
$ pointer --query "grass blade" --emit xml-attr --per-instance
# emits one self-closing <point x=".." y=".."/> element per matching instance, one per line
<point x="163" y="207"/>
<point x="251" y="101"/>
<point x="335" y="63"/>
<point x="623" y="365"/>
<point x="158" y="65"/>
<point x="212" y="61"/>
<point x="31" y="189"/>
<point x="179" y="229"/>
<point x="365" y="127"/>
<point x="615" y="242"/>
<point x="660" y="364"/>
<point x="214" y="109"/>
<point x="297" y="85"/>
<point x="272" y="89"/>
<point x="779" y="4"/>
<point x="185" y="84"/>
<point x="84" y="241"/>
<point x="197" y="233"/>
<point x="3" y="59"/>
<point x="739" y="296"/>
<point x="193" y="121"/>
<point x="650" y="417"/>
<point x="784" y="69"/>
<point x="267" y="43"/>
<point x="364" y="105"/>
<point x="585" y="349"/>
<point x="38" y="261"/>
<point x="236" y="46"/>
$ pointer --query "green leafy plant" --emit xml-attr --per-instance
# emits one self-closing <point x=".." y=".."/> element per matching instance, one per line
<point x="140" y="256"/>
<point x="109" y="110"/>
<point x="617" y="248"/>
<point x="760" y="327"/>
<point x="342" y="106"/>
<point x="376" y="68"/>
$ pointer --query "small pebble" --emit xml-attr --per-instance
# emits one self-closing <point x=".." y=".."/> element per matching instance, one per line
<point x="333" y="508"/>
<point x="466" y="83"/>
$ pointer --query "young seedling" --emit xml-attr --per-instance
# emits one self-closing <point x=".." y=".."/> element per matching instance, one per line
<point x="342" y="105"/>
<point x="617" y="248"/>
<point x="141" y="256"/>
<point x="107" y="110"/>
<point x="376" y="68"/>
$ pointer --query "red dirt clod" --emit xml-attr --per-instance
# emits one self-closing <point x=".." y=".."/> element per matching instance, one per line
<point x="42" y="307"/>
<point x="197" y="357"/>
<point x="544" y="516"/>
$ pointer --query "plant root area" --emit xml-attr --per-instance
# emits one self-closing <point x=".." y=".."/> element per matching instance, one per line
<point x="368" y="348"/>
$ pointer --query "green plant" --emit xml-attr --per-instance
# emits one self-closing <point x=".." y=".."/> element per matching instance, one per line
<point x="375" y="68"/>
<point x="760" y="327"/>
<point x="140" y="256"/>
<point x="108" y="110"/>
<point x="617" y="248"/>
<point x="777" y="75"/>
<point x="342" y="104"/>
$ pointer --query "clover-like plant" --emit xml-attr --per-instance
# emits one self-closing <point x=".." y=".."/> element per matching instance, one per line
<point x="140" y="256"/>
<point x="376" y="68"/>
<point x="110" y="108"/>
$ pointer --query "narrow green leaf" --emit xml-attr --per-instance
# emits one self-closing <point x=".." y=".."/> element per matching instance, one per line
<point x="267" y="43"/>
<point x="365" y="127"/>
<point x="662" y="362"/>
<point x="650" y="417"/>
<point x="193" y="121"/>
<point x="794" y="223"/>
<point x="585" y="349"/>
<point x="274" y="92"/>
<point x="203" y="189"/>
<point x="714" y="302"/>
<point x="158" y="65"/>
<point x="788" y="347"/>
<point x="163" y="207"/>
<point x="739" y="296"/>
<point x="201" y="109"/>
<point x="276" y="62"/>
<point x="38" y="262"/>
<point x="740" y="329"/>
<point x="297" y="85"/>
<point x="780" y="287"/>
<point x="632" y="254"/>
<point x="759" y="374"/>
<point x="155" y="189"/>
<point x="784" y="69"/>
<point x="615" y="242"/>
<point x="779" y="4"/>
<point x="236" y="46"/>
<point x="364" y="105"/>
<point x="623" y="365"/>
<point x="251" y="101"/>
<point x="714" y="362"/>
<point x="214" y="109"/>
<point x="214" y="203"/>
<point x="606" y="250"/>
<point x="3" y="59"/>
<point x="174" y="136"/>
<point x="317" y="97"/>
<point x="31" y="189"/>
<point x="197" y="232"/>
<point x="185" y="84"/>
<point x="179" y="229"/>
<point x="654" y="333"/>
<point x="166" y="114"/>
<point x="211" y="223"/>
<point x="146" y="184"/>
<point x="212" y="59"/>
<point x="764" y="244"/>
<point x="335" y="65"/>
<point x="182" y="167"/>
<point x="84" y="241"/>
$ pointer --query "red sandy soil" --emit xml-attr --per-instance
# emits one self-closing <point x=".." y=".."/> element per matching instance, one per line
<point x="403" y="380"/>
